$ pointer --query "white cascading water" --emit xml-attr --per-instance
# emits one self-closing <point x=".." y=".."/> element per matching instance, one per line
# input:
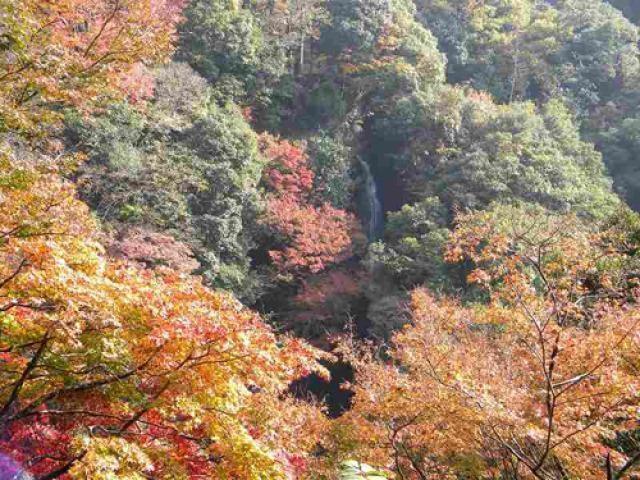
<point x="373" y="202"/>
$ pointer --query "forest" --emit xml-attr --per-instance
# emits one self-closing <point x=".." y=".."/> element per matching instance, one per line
<point x="320" y="239"/>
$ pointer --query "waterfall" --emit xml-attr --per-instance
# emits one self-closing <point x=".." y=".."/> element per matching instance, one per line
<point x="374" y="208"/>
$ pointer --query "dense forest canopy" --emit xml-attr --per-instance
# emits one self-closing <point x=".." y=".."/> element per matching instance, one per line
<point x="319" y="239"/>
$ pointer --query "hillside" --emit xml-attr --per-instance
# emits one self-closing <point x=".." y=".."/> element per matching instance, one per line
<point x="319" y="239"/>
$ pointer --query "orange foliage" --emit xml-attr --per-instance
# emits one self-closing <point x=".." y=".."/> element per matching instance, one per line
<point x="109" y="370"/>
<point x="311" y="237"/>
<point x="532" y="385"/>
<point x="324" y="303"/>
<point x="316" y="236"/>
<point x="78" y="52"/>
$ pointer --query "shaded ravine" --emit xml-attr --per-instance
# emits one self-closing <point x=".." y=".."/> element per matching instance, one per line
<point x="315" y="388"/>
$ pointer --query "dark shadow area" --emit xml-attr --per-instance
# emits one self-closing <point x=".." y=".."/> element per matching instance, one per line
<point x="313" y="387"/>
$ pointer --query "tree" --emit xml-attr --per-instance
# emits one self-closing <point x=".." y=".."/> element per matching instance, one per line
<point x="97" y="46"/>
<point x="224" y="41"/>
<point x="485" y="152"/>
<point x="186" y="166"/>
<point x="307" y="237"/>
<point x="291" y="25"/>
<point x="437" y="154"/>
<point x="325" y="304"/>
<point x="410" y="254"/>
<point x="220" y="37"/>
<point x="598" y="28"/>
<point x="109" y="370"/>
<point x="534" y="384"/>
<point x="620" y="145"/>
<point x="330" y="160"/>
<point x="356" y="26"/>
<point x="150" y="249"/>
<point x="381" y="53"/>
<point x="521" y="49"/>
<point x="412" y="247"/>
<point x="385" y="51"/>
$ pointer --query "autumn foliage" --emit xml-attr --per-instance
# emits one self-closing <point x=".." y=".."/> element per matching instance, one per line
<point x="489" y="326"/>
<point x="311" y="236"/>
<point x="99" y="51"/>
<point x="108" y="369"/>
<point x="151" y="249"/>
<point x="538" y="383"/>
<point x="324" y="303"/>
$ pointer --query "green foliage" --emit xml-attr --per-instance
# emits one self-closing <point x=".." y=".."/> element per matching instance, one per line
<point x="407" y="59"/>
<point x="600" y="52"/>
<point x="521" y="49"/>
<point x="585" y="52"/>
<point x="409" y="254"/>
<point x="383" y="49"/>
<point x="187" y="166"/>
<point x="355" y="25"/>
<point x="447" y="21"/>
<point x="511" y="153"/>
<point x="225" y="43"/>
<point x="218" y="37"/>
<point x="324" y="104"/>
<point x="330" y="161"/>
<point x="179" y="91"/>
<point x="414" y="239"/>
<point x="468" y="152"/>
<point x="620" y="145"/>
<point x="458" y="150"/>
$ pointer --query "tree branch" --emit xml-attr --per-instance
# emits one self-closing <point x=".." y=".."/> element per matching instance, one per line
<point x="23" y="378"/>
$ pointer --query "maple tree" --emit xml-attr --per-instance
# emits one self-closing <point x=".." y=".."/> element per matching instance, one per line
<point x="311" y="236"/>
<point x="152" y="248"/>
<point x="537" y="383"/>
<point x="113" y="371"/>
<point x="77" y="52"/>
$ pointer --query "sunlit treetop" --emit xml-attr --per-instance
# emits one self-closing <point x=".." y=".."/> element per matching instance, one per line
<point x="541" y="381"/>
<point x="109" y="370"/>
<point x="308" y="234"/>
<point x="77" y="52"/>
